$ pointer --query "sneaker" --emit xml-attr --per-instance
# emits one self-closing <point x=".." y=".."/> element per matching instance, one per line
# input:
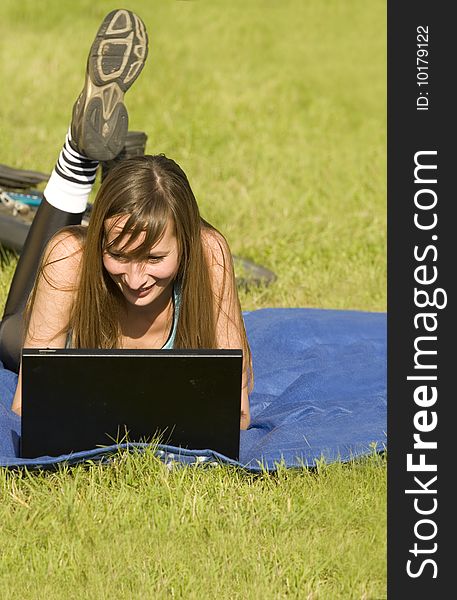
<point x="135" y="145"/>
<point x="117" y="56"/>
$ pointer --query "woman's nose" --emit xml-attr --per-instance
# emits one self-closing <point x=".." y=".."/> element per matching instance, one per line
<point x="135" y="276"/>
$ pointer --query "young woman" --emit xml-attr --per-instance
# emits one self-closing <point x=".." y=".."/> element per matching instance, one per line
<point x="148" y="271"/>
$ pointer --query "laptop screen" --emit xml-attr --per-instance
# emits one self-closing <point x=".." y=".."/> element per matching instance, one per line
<point x="75" y="400"/>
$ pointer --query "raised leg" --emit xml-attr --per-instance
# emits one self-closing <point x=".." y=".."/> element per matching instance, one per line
<point x="98" y="131"/>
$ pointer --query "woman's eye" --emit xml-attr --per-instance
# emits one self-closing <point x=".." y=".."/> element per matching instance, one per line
<point x="155" y="259"/>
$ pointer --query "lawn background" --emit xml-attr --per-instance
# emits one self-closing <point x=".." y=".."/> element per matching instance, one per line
<point x="276" y="111"/>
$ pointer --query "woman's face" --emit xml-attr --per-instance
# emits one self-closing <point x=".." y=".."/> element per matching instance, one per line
<point x="141" y="281"/>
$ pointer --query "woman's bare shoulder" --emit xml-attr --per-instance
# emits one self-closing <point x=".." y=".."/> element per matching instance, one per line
<point x="215" y="245"/>
<point x="66" y="243"/>
<point x="55" y="289"/>
<point x="63" y="254"/>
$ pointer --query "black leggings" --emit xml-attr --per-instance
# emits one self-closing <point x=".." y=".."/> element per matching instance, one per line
<point x="48" y="220"/>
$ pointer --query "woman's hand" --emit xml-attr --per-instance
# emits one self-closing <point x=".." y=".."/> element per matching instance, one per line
<point x="245" y="420"/>
<point x="17" y="400"/>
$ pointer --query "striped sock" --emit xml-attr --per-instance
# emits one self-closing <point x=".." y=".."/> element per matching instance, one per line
<point x="71" y="181"/>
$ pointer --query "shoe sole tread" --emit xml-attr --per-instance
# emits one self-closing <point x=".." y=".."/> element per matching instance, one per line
<point x="116" y="59"/>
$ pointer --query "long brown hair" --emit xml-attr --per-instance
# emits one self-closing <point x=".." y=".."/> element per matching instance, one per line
<point x="149" y="190"/>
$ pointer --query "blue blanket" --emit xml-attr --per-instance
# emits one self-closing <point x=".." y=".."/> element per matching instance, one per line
<point x="320" y="392"/>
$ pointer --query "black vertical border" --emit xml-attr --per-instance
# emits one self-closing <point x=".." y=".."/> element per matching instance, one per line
<point x="410" y="131"/>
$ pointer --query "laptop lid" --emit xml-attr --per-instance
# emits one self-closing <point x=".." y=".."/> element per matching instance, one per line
<point x="75" y="400"/>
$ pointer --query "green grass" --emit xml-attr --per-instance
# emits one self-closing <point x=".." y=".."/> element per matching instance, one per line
<point x="276" y="111"/>
<point x="136" y="529"/>
<point x="277" y="115"/>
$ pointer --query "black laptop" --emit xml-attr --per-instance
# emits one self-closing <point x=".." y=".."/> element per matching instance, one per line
<point x="75" y="400"/>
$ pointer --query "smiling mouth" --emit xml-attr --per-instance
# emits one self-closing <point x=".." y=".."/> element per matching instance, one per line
<point x="139" y="291"/>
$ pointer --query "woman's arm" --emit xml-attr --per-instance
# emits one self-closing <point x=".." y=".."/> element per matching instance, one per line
<point x="52" y="299"/>
<point x="230" y="331"/>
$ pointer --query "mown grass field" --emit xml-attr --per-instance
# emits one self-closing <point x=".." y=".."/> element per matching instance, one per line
<point x="276" y="111"/>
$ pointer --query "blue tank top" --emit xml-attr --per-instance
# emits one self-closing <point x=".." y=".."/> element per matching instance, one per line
<point x="176" y="306"/>
<point x="169" y="344"/>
